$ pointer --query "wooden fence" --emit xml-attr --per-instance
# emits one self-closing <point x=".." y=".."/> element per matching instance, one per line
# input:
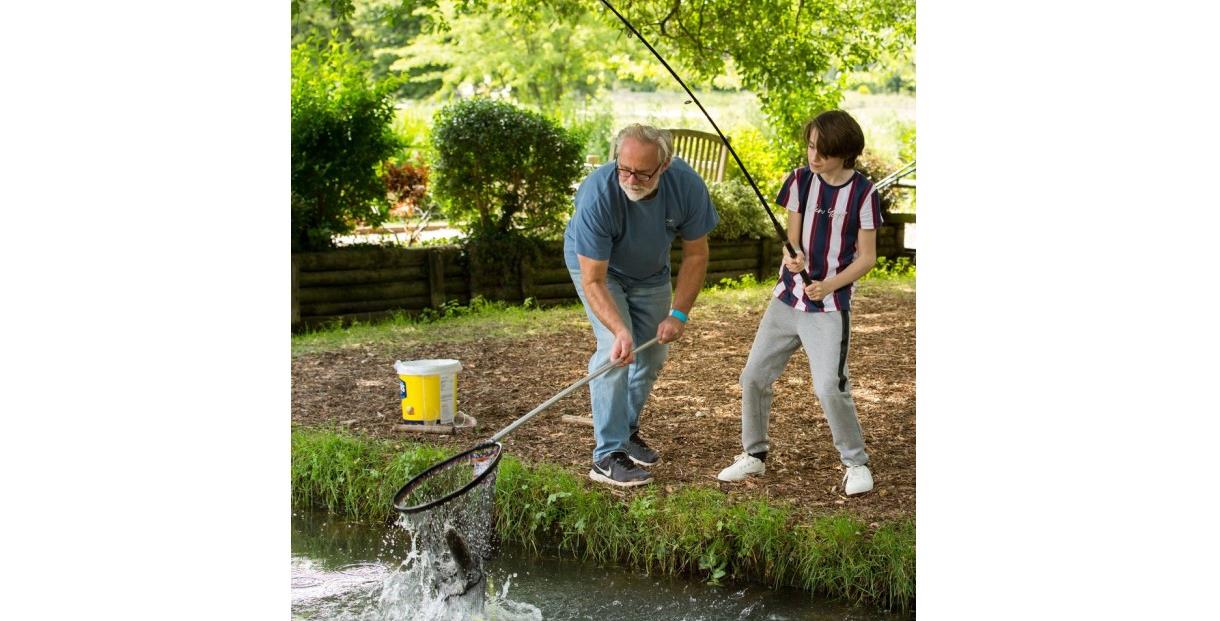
<point x="370" y="283"/>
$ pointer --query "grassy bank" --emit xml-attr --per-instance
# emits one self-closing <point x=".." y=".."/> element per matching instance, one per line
<point x="691" y="531"/>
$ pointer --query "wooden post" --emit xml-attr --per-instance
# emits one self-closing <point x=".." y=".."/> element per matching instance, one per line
<point x="766" y="254"/>
<point x="525" y="277"/>
<point x="296" y="304"/>
<point x="472" y="266"/>
<point x="436" y="277"/>
<point x="885" y="240"/>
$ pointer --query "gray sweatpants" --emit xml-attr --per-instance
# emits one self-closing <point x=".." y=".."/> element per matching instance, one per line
<point x="825" y="337"/>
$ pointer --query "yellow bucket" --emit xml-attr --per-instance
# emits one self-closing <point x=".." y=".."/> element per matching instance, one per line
<point x="428" y="389"/>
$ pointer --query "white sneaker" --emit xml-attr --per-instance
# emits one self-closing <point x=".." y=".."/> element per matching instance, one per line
<point x="857" y="480"/>
<point x="744" y="465"/>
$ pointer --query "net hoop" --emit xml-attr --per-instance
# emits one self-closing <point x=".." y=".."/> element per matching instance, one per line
<point x="420" y="478"/>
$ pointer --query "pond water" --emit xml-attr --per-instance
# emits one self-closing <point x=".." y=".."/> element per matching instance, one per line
<point x="347" y="571"/>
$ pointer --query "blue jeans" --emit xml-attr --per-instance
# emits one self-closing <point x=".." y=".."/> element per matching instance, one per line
<point x="618" y="396"/>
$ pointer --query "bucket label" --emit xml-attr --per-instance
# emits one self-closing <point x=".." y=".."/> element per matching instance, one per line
<point x="402" y="389"/>
<point x="447" y="395"/>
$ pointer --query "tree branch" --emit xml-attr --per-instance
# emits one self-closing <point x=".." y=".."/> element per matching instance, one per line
<point x="673" y="11"/>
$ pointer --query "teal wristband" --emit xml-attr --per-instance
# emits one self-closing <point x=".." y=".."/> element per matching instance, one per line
<point x="673" y="312"/>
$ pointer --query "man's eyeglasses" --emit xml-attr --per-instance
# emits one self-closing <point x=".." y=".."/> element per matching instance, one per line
<point x="626" y="173"/>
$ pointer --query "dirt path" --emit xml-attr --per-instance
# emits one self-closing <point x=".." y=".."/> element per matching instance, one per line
<point x="692" y="417"/>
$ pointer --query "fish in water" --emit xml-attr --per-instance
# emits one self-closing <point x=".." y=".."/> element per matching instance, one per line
<point x="461" y="574"/>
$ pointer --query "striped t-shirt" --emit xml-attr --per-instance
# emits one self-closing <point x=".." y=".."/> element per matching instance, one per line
<point x="833" y="217"/>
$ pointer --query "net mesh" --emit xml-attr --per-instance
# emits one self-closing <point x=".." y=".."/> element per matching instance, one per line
<point x="457" y="494"/>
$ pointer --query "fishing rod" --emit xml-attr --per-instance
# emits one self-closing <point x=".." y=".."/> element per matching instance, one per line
<point x="779" y="230"/>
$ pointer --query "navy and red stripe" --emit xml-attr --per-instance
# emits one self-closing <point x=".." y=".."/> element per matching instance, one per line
<point x="850" y="233"/>
<point x="821" y="232"/>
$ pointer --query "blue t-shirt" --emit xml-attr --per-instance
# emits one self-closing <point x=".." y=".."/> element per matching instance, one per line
<point x="636" y="236"/>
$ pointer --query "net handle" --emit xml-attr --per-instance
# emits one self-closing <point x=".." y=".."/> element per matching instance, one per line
<point x="588" y="378"/>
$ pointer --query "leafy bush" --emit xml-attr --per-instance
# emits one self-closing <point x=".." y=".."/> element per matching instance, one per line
<point x="341" y="132"/>
<point x="888" y="269"/>
<point x="745" y="281"/>
<point x="877" y="167"/>
<point x="499" y="169"/>
<point x="741" y="214"/>
<point x="760" y="157"/>
<point x="406" y="186"/>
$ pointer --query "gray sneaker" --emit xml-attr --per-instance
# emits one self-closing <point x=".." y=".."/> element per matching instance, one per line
<point x="617" y="469"/>
<point x="639" y="452"/>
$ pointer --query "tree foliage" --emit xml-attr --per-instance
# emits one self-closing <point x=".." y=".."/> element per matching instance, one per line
<point x="341" y="133"/>
<point x="793" y="54"/>
<point x="539" y="59"/>
<point x="374" y="28"/>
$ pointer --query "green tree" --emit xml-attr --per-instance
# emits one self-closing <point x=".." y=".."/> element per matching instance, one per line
<point x="341" y="133"/>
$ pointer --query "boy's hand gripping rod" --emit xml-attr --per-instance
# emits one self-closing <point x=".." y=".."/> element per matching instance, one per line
<point x="588" y="378"/>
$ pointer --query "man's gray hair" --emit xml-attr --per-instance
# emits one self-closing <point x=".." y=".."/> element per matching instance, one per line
<point x="663" y="140"/>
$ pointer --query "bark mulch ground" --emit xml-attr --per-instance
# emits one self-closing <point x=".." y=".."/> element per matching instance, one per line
<point x="692" y="418"/>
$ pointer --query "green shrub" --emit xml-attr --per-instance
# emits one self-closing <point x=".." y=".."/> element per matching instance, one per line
<point x="741" y="214"/>
<point x="760" y="157"/>
<point x="889" y="269"/>
<point x="341" y="132"/>
<point x="499" y="169"/>
<point x="877" y="167"/>
<point x="745" y="281"/>
<point x="406" y="184"/>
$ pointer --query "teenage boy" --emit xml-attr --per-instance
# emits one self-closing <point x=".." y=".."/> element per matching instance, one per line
<point x="833" y="215"/>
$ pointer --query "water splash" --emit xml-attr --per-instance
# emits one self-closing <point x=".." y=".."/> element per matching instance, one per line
<point x="410" y="591"/>
<point x="448" y="516"/>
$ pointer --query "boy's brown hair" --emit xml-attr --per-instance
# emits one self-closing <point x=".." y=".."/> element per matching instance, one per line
<point x="839" y="135"/>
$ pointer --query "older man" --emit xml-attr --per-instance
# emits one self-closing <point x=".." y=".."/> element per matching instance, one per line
<point x="617" y="250"/>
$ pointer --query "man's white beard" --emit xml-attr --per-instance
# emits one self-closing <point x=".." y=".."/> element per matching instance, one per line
<point x="634" y="192"/>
